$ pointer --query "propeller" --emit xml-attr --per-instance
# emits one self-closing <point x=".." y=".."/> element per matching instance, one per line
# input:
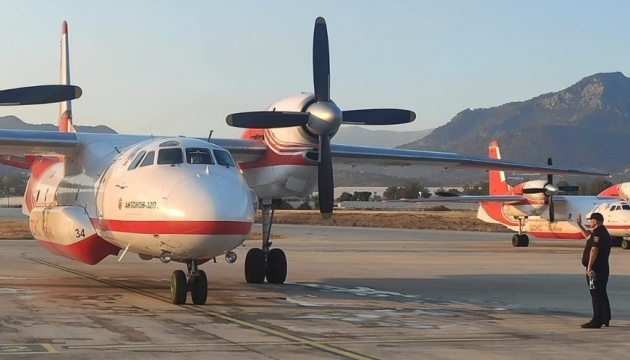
<point x="40" y="94"/>
<point x="322" y="118"/>
<point x="549" y="190"/>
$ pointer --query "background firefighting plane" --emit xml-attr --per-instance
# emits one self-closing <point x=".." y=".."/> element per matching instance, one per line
<point x="539" y="208"/>
<point x="184" y="199"/>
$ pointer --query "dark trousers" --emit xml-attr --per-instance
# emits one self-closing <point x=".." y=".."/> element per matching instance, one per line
<point x="599" y="297"/>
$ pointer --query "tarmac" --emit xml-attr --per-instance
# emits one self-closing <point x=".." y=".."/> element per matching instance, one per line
<point x="351" y="293"/>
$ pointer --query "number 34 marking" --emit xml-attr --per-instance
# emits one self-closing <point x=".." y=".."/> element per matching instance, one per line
<point x="79" y="233"/>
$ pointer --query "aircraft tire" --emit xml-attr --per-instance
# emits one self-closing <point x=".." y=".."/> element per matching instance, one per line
<point x="255" y="266"/>
<point x="178" y="287"/>
<point x="516" y="240"/>
<point x="625" y="244"/>
<point x="199" y="289"/>
<point x="276" y="266"/>
<point x="524" y="240"/>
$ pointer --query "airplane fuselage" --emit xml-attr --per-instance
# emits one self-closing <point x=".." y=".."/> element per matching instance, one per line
<point x="144" y="197"/>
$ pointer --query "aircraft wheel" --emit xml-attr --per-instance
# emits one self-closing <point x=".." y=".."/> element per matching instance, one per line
<point x="516" y="240"/>
<point x="199" y="289"/>
<point x="524" y="240"/>
<point x="255" y="266"/>
<point x="625" y="244"/>
<point x="276" y="266"/>
<point x="178" y="287"/>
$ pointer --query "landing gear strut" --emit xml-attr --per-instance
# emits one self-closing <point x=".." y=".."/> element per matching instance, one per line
<point x="196" y="283"/>
<point x="266" y="262"/>
<point x="520" y="239"/>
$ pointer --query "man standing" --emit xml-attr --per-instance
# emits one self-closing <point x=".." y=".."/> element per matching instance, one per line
<point x="595" y="260"/>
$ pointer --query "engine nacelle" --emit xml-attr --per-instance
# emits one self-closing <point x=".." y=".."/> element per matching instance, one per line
<point x="68" y="231"/>
<point x="621" y="190"/>
<point x="524" y="210"/>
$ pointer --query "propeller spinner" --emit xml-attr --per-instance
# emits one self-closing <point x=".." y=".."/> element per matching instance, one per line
<point x="321" y="118"/>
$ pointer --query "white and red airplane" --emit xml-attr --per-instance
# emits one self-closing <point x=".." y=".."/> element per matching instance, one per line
<point x="184" y="199"/>
<point x="536" y="208"/>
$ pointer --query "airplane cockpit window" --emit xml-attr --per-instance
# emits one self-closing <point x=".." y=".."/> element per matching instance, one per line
<point x="169" y="143"/>
<point x="613" y="208"/>
<point x="148" y="160"/>
<point x="170" y="156"/>
<point x="223" y="158"/>
<point x="625" y="206"/>
<point x="136" y="160"/>
<point x="198" y="156"/>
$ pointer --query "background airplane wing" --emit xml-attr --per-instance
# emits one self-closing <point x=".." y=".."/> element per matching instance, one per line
<point x="508" y="199"/>
<point x="364" y="155"/>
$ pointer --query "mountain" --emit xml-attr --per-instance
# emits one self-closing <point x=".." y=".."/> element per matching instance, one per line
<point x="356" y="135"/>
<point x="585" y="125"/>
<point x="14" y="123"/>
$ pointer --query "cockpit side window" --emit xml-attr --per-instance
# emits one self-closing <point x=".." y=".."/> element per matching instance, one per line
<point x="148" y="160"/>
<point x="136" y="160"/>
<point x="223" y="158"/>
<point x="170" y="156"/>
<point x="613" y="208"/>
<point x="625" y="206"/>
<point x="198" y="156"/>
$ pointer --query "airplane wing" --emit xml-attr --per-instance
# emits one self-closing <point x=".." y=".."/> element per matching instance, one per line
<point x="46" y="143"/>
<point x="364" y="155"/>
<point x="508" y="199"/>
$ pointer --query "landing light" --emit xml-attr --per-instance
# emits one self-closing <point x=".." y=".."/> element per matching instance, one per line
<point x="230" y="257"/>
<point x="166" y="257"/>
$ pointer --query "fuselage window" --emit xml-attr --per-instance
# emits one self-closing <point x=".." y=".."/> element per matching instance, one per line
<point x="136" y="161"/>
<point x="148" y="160"/>
<point x="198" y="156"/>
<point x="223" y="158"/>
<point x="170" y="156"/>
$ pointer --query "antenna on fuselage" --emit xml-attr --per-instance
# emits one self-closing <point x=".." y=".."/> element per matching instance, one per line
<point x="210" y="135"/>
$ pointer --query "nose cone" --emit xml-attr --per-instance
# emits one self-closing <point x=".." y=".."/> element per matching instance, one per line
<point x="224" y="199"/>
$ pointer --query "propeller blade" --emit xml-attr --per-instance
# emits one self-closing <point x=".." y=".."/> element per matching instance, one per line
<point x="552" y="211"/>
<point x="40" y="94"/>
<point x="378" y="116"/>
<point x="445" y="194"/>
<point x="325" y="181"/>
<point x="321" y="61"/>
<point x="549" y="176"/>
<point x="533" y="191"/>
<point x="569" y="188"/>
<point x="267" y="119"/>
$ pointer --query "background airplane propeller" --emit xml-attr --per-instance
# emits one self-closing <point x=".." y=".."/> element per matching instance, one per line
<point x="322" y="118"/>
<point x="40" y="94"/>
<point x="550" y="190"/>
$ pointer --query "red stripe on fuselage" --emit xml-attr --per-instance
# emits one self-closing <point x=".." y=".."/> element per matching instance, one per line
<point x="175" y="227"/>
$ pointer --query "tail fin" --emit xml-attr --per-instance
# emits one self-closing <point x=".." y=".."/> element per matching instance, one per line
<point x="497" y="184"/>
<point x="65" y="108"/>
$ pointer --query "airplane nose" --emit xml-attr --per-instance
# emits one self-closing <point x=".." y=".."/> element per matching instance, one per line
<point x="210" y="197"/>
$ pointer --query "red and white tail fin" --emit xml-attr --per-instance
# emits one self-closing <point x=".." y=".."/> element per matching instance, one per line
<point x="497" y="184"/>
<point x="65" y="108"/>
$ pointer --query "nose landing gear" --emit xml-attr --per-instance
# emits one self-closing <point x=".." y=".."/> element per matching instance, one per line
<point x="196" y="283"/>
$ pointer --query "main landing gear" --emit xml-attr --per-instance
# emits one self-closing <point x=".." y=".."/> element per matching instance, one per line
<point x="196" y="283"/>
<point x="520" y="239"/>
<point x="266" y="262"/>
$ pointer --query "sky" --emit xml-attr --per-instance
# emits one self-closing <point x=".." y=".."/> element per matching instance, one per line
<point x="180" y="67"/>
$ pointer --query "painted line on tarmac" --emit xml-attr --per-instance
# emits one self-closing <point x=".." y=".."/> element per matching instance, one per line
<point x="286" y="343"/>
<point x="297" y="339"/>
<point x="25" y="349"/>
